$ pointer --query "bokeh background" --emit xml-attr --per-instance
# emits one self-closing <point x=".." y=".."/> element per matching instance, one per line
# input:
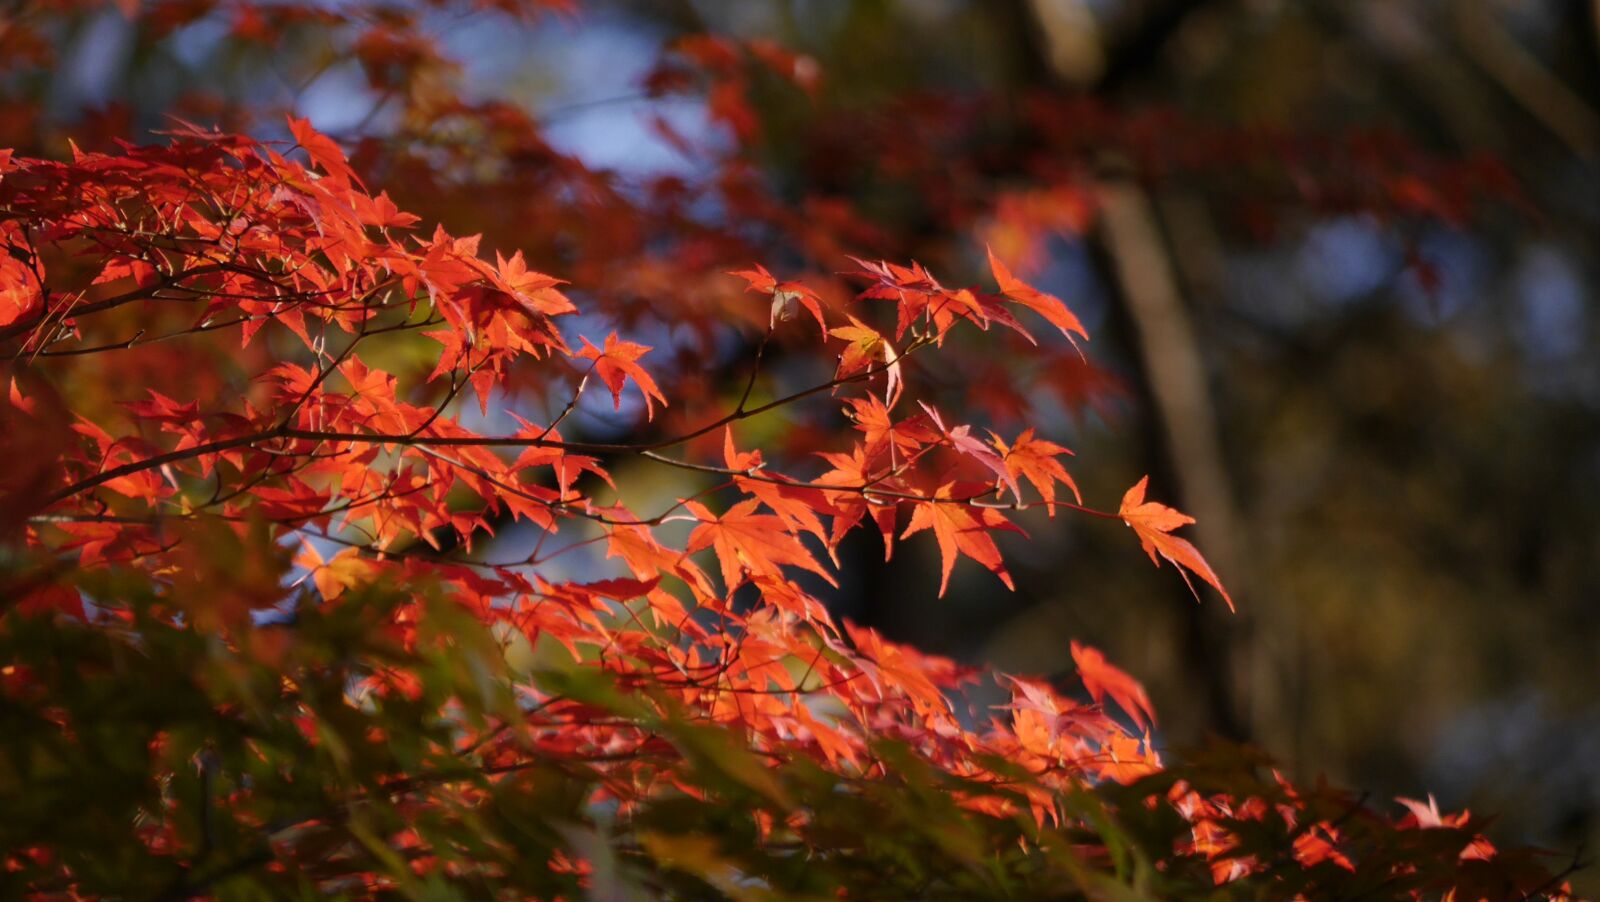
<point x="1389" y="432"/>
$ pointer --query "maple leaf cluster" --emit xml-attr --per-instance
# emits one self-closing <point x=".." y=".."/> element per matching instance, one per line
<point x="324" y="446"/>
<point x="328" y="483"/>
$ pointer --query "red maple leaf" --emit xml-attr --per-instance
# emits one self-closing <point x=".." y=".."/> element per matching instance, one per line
<point x="785" y="295"/>
<point x="322" y="150"/>
<point x="617" y="363"/>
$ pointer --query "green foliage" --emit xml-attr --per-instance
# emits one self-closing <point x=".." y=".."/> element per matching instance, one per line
<point x="156" y="757"/>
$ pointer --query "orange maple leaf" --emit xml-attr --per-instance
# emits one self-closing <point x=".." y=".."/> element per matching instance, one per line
<point x="906" y="437"/>
<point x="1046" y="305"/>
<point x="854" y="470"/>
<point x="960" y="530"/>
<point x="746" y="541"/>
<point x="1102" y="678"/>
<point x="796" y="505"/>
<point x="866" y="348"/>
<point x="1154" y="522"/>
<point x="1034" y="459"/>
<point x="345" y="570"/>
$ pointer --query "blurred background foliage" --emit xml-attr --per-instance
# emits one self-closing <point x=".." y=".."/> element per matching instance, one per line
<point x="1390" y="433"/>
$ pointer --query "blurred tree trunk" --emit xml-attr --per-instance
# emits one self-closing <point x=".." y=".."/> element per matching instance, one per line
<point x="1525" y="79"/>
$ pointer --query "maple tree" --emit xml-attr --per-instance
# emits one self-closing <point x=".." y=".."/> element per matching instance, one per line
<point x="265" y="423"/>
